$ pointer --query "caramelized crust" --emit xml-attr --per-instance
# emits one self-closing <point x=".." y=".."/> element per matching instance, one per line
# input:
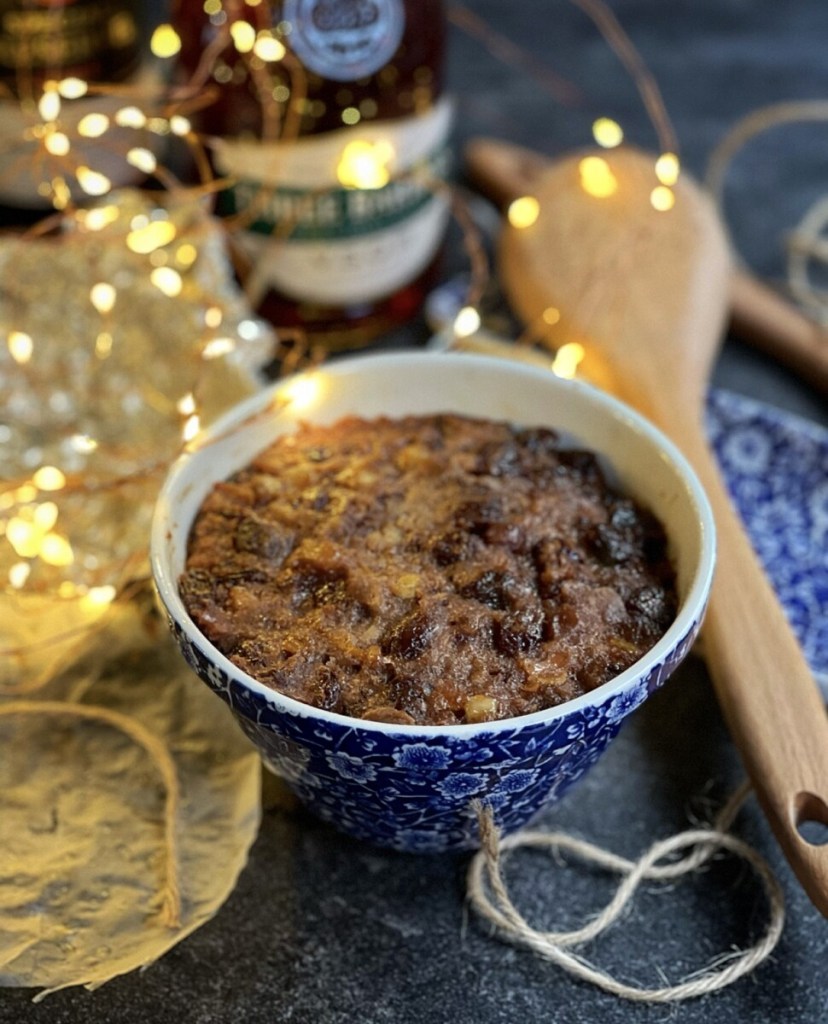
<point x="430" y="570"/>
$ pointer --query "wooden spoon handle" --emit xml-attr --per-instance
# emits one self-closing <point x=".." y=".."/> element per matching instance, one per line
<point x="758" y="314"/>
<point x="771" y="705"/>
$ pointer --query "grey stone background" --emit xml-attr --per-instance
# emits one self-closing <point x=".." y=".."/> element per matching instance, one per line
<point x="322" y="929"/>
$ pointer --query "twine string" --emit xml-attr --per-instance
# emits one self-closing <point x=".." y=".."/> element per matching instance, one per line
<point x="807" y="243"/>
<point x="489" y="896"/>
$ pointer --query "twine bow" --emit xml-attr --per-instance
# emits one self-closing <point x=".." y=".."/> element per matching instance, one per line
<point x="488" y="894"/>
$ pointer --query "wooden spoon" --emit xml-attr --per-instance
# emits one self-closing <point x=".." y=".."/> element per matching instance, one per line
<point x="646" y="293"/>
<point x="759" y="315"/>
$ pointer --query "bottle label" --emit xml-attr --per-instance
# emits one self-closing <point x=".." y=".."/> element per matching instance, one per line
<point x="344" y="39"/>
<point x="315" y="241"/>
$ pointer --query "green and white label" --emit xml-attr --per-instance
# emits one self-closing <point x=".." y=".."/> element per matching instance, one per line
<point x="316" y="241"/>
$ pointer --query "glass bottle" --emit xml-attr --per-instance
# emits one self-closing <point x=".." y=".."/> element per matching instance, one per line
<point x="59" y="62"/>
<point x="95" y="40"/>
<point x="331" y="129"/>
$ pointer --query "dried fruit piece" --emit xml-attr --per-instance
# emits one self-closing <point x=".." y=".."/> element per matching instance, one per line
<point x="480" y="708"/>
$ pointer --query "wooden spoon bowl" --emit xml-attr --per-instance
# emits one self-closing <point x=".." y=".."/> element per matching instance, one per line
<point x="646" y="292"/>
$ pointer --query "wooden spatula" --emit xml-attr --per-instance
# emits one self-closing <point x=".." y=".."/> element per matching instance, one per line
<point x="647" y="294"/>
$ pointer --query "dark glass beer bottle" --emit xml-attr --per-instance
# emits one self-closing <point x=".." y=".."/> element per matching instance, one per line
<point x="95" y="40"/>
<point x="55" y="57"/>
<point x="331" y="128"/>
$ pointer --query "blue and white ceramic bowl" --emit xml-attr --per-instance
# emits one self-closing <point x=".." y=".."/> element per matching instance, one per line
<point x="414" y="787"/>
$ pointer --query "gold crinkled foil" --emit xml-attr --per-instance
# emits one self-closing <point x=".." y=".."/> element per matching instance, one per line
<point x="129" y="800"/>
<point x="104" y="367"/>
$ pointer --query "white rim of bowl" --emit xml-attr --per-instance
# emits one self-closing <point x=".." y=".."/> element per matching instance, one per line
<point x="690" y="612"/>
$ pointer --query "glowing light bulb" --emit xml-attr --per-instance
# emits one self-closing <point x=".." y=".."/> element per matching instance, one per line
<point x="365" y="164"/>
<point x="466" y="322"/>
<point x="45" y="516"/>
<point x="83" y="443"/>
<point x="607" y="133"/>
<point x="167" y="280"/>
<point x="92" y="182"/>
<point x="551" y="316"/>
<point x="99" y="597"/>
<point x="186" y="254"/>
<point x="99" y="217"/>
<point x="143" y="159"/>
<point x="23" y="537"/>
<point x="303" y="392"/>
<point x="93" y="125"/>
<point x="72" y="88"/>
<point x="165" y="41"/>
<point x="130" y="117"/>
<point x="217" y="347"/>
<point x="567" y="360"/>
<point x="31" y="536"/>
<point x="350" y="116"/>
<point x="191" y="428"/>
<point x="213" y="316"/>
<point x="60" y="194"/>
<point x="20" y="346"/>
<point x="662" y="198"/>
<point x="56" y="143"/>
<point x="48" y="105"/>
<point x="18" y="574"/>
<point x="597" y="178"/>
<point x="180" y="125"/>
<point x="268" y="48"/>
<point x="49" y="478"/>
<point x="668" y="168"/>
<point x="523" y="212"/>
<point x="186" y="405"/>
<point x="56" y="550"/>
<point x="102" y="296"/>
<point x="243" y="35"/>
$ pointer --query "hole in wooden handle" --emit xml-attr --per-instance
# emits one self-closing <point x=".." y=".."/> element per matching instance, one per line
<point x="811" y="818"/>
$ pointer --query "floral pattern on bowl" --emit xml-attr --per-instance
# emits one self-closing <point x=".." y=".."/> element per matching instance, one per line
<point x="415" y="788"/>
<point x="424" y="783"/>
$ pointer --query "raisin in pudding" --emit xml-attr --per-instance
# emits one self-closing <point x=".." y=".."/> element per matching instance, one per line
<point x="428" y="570"/>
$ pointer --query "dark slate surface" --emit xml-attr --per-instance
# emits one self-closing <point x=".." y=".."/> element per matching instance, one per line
<point x="324" y="930"/>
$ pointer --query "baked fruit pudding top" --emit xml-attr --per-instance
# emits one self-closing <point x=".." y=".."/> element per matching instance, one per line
<point x="428" y="570"/>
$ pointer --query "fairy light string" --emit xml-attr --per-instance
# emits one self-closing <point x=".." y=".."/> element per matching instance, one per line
<point x="126" y="123"/>
<point x="93" y="426"/>
<point x="68" y="120"/>
<point x="68" y="123"/>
